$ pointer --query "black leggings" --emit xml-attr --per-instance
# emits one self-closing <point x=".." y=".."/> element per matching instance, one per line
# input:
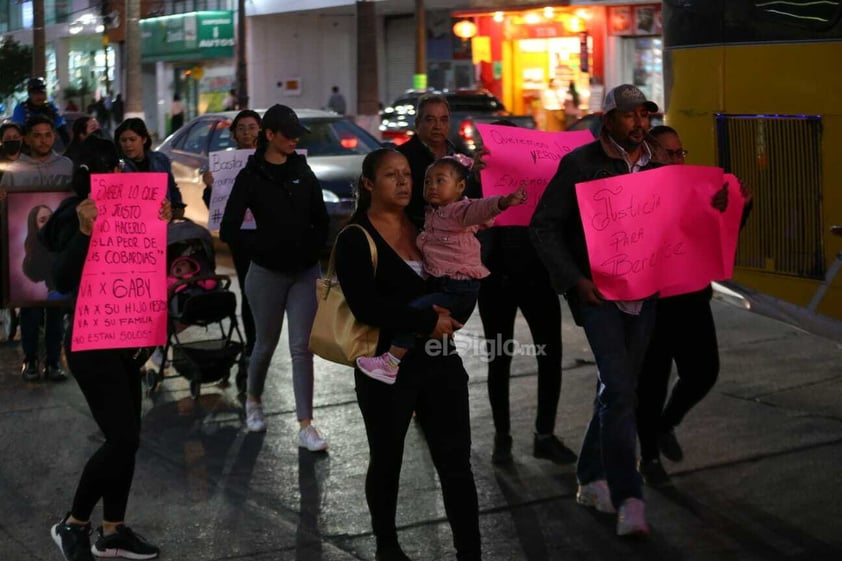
<point x="110" y="382"/>
<point x="500" y="296"/>
<point x="436" y="389"/>
<point x="684" y="332"/>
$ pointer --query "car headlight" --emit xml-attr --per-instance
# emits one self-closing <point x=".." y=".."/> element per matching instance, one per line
<point x="329" y="196"/>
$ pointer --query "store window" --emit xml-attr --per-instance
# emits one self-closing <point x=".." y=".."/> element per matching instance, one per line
<point x="648" y="67"/>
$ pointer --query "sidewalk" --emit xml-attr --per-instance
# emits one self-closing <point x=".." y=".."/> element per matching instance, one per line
<point x="762" y="477"/>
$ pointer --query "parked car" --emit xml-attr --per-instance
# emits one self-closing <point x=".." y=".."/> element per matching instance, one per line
<point x="467" y="108"/>
<point x="593" y="122"/>
<point x="335" y="150"/>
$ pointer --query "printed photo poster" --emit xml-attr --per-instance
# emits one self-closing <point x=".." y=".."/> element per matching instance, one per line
<point x="656" y="231"/>
<point x="523" y="155"/>
<point x="27" y="265"/>
<point x="122" y="298"/>
<point x="225" y="165"/>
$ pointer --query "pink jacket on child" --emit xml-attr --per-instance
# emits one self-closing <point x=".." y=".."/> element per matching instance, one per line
<point x="449" y="243"/>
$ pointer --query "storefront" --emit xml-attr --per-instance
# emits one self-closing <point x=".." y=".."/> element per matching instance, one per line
<point x="521" y="55"/>
<point x="193" y="56"/>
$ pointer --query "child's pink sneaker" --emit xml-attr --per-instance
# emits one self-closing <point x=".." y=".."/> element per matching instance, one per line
<point x="378" y="367"/>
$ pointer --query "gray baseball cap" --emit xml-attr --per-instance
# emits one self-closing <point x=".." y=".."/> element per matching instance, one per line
<point x="626" y="97"/>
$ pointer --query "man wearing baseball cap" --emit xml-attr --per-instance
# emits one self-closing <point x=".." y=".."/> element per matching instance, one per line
<point x="37" y="105"/>
<point x="618" y="332"/>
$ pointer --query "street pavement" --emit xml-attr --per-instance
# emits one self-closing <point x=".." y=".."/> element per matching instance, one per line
<point x="761" y="480"/>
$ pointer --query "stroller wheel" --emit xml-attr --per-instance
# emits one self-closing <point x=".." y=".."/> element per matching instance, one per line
<point x="195" y="388"/>
<point x="152" y="380"/>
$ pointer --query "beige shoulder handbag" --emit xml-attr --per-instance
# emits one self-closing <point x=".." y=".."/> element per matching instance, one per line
<point x="337" y="336"/>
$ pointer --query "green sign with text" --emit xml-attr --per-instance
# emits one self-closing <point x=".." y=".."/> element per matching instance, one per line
<point x="193" y="36"/>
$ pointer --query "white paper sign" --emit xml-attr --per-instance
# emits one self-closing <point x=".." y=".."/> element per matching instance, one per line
<point x="225" y="165"/>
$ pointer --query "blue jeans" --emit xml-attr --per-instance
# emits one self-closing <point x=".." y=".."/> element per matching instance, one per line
<point x="458" y="296"/>
<point x="30" y="321"/>
<point x="618" y="341"/>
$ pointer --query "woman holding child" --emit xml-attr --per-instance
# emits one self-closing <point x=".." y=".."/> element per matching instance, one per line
<point x="433" y="385"/>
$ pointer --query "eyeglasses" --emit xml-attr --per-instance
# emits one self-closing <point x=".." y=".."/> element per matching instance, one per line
<point x="679" y="153"/>
<point x="244" y="128"/>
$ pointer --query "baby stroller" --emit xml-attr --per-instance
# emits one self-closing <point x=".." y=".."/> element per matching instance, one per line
<point x="198" y="297"/>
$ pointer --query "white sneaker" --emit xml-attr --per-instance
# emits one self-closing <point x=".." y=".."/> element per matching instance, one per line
<point x="596" y="494"/>
<point x="631" y="521"/>
<point x="255" y="421"/>
<point x="309" y="438"/>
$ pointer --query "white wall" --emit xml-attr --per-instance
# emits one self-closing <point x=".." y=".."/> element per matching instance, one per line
<point x="317" y="49"/>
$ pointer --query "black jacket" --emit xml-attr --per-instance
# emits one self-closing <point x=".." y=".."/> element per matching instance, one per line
<point x="380" y="298"/>
<point x="556" y="227"/>
<point x="291" y="217"/>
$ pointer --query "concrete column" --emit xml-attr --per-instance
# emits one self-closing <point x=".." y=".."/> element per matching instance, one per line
<point x="368" y="100"/>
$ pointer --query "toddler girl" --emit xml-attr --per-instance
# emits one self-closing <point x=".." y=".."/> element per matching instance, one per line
<point x="450" y="250"/>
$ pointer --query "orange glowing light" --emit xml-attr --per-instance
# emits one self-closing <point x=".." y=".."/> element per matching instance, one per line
<point x="464" y="29"/>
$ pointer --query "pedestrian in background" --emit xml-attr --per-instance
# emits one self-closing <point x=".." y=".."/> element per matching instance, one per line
<point x="286" y="200"/>
<point x="685" y="333"/>
<point x="336" y="103"/>
<point x="134" y="145"/>
<point x="618" y="332"/>
<point x="176" y="113"/>
<point x="245" y="129"/>
<point x="42" y="168"/>
<point x="433" y="385"/>
<point x="11" y="143"/>
<point x="36" y="105"/>
<point x="117" y="110"/>
<point x="230" y="101"/>
<point x="109" y="379"/>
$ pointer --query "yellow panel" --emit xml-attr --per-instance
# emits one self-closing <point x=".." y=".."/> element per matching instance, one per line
<point x="793" y="79"/>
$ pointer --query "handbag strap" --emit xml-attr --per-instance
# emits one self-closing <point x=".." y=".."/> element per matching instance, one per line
<point x="372" y="248"/>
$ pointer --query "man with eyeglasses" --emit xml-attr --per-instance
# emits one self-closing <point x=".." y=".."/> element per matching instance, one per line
<point x="685" y="333"/>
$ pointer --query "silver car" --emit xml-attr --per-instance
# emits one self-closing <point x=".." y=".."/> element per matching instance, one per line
<point x="335" y="150"/>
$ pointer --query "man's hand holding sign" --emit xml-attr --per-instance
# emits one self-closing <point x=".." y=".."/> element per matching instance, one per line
<point x="122" y="296"/>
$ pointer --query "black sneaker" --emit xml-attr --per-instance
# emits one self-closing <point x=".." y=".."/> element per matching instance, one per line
<point x="29" y="371"/>
<point x="549" y="447"/>
<point x="653" y="473"/>
<point x="502" y="453"/>
<point x="55" y="373"/>
<point x="73" y="540"/>
<point x="669" y="446"/>
<point x="124" y="543"/>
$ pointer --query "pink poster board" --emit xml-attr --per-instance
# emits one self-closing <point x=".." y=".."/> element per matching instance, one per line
<point x="517" y="154"/>
<point x="656" y="231"/>
<point x="122" y="299"/>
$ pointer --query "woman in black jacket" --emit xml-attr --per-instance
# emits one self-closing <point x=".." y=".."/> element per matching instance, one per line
<point x="286" y="200"/>
<point x="108" y="378"/>
<point x="433" y="383"/>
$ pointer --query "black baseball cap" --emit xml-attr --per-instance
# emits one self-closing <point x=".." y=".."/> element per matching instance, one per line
<point x="36" y="85"/>
<point x="282" y="118"/>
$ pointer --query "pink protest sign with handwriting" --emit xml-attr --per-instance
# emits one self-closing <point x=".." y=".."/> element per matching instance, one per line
<point x="122" y="299"/>
<point x="518" y="154"/>
<point x="654" y="231"/>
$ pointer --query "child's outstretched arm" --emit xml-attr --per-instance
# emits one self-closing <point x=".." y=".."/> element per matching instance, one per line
<point x="517" y="197"/>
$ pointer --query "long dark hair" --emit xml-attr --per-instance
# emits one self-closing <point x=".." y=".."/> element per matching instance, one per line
<point x="37" y="261"/>
<point x="137" y="126"/>
<point x="96" y="155"/>
<point x="371" y="164"/>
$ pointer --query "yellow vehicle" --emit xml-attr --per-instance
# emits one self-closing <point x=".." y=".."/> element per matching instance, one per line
<point x="755" y="87"/>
